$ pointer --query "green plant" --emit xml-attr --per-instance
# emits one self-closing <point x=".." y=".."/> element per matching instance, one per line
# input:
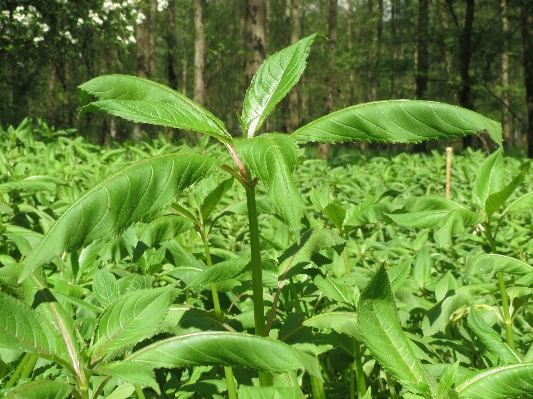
<point x="131" y="326"/>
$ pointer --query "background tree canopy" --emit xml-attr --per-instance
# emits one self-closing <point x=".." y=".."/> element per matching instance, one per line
<point x="473" y="53"/>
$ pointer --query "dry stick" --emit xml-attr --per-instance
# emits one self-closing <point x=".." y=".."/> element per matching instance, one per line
<point x="449" y="151"/>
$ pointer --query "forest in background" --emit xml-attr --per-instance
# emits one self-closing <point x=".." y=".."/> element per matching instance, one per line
<point x="474" y="53"/>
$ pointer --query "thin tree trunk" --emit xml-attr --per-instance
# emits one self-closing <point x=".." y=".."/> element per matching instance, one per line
<point x="377" y="18"/>
<point x="351" y="77"/>
<point x="254" y="37"/>
<point x="294" y="116"/>
<point x="329" y="106"/>
<point x="506" y="120"/>
<point x="172" y="44"/>
<point x="422" y="66"/>
<point x="465" y="55"/>
<point x="527" y="44"/>
<point x="199" y="49"/>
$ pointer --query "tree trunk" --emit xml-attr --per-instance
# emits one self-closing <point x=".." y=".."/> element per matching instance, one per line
<point x="294" y="116"/>
<point x="377" y="19"/>
<point x="254" y="37"/>
<point x="329" y="106"/>
<point x="421" y="63"/>
<point x="465" y="55"/>
<point x="506" y="120"/>
<point x="172" y="44"/>
<point x="199" y="49"/>
<point x="527" y="43"/>
<point x="351" y="84"/>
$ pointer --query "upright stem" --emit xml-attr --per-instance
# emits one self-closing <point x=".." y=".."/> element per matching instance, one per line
<point x="228" y="371"/>
<point x="359" y="373"/>
<point x="265" y="379"/>
<point x="507" y="321"/>
<point x="317" y="387"/>
<point x="18" y="370"/>
<point x="139" y="392"/>
<point x="346" y="262"/>
<point x="28" y="368"/>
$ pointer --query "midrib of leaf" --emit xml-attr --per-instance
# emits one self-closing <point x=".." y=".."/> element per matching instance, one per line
<point x="259" y="111"/>
<point x="69" y="340"/>
<point x="471" y="381"/>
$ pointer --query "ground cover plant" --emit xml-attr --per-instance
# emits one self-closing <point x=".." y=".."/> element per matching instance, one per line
<point x="168" y="271"/>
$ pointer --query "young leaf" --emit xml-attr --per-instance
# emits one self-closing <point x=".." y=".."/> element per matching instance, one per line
<point x="24" y="329"/>
<point x="220" y="272"/>
<point x="380" y="329"/>
<point x="489" y="178"/>
<point x="133" y="373"/>
<point x="222" y="348"/>
<point x="336" y="214"/>
<point x="397" y="121"/>
<point x="333" y="290"/>
<point x="399" y="273"/>
<point x="105" y="287"/>
<point x="491" y="339"/>
<point x="340" y="322"/>
<point x="213" y="198"/>
<point x="522" y="204"/>
<point x="43" y="389"/>
<point x="422" y="267"/>
<point x="246" y="392"/>
<point x="133" y="318"/>
<point x="497" y="383"/>
<point x="274" y="79"/>
<point x="141" y="100"/>
<point x="272" y="157"/>
<point x="497" y="199"/>
<point x="455" y="223"/>
<point x="124" y="198"/>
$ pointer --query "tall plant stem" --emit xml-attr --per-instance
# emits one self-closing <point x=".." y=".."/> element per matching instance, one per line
<point x="346" y="261"/>
<point x="228" y="371"/>
<point x="28" y="368"/>
<point x="18" y="370"/>
<point x="359" y="373"/>
<point x="139" y="392"/>
<point x="507" y="320"/>
<point x="317" y="387"/>
<point x="265" y="379"/>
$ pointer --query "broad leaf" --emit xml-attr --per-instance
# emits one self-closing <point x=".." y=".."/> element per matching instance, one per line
<point x="124" y="198"/>
<point x="273" y="80"/>
<point x="227" y="349"/>
<point x="488" y="262"/>
<point x="24" y="329"/>
<point x="213" y="198"/>
<point x="334" y="290"/>
<point x="491" y="339"/>
<point x="382" y="333"/>
<point x="141" y="100"/>
<point x="522" y="204"/>
<point x="340" y="322"/>
<point x="399" y="273"/>
<point x="422" y="267"/>
<point x="489" y="178"/>
<point x="43" y="389"/>
<point x="336" y="214"/>
<point x="246" y="392"/>
<point x="397" y="121"/>
<point x="455" y="223"/>
<point x="272" y="157"/>
<point x="133" y="373"/>
<point x="497" y="383"/>
<point x="220" y="272"/>
<point x="133" y="318"/>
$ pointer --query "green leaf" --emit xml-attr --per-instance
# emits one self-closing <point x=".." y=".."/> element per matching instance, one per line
<point x="397" y="121"/>
<point x="445" y="284"/>
<point x="497" y="199"/>
<point x="272" y="157"/>
<point x="424" y="212"/>
<point x="445" y="390"/>
<point x="133" y="373"/>
<point x="422" y="267"/>
<point x="162" y="229"/>
<point x="497" y="383"/>
<point x="489" y="178"/>
<point x="340" y="322"/>
<point x="380" y="329"/>
<point x="333" y="290"/>
<point x="273" y="80"/>
<point x="491" y="339"/>
<point x="134" y="317"/>
<point x="122" y="392"/>
<point x="105" y="287"/>
<point x="141" y="100"/>
<point x="24" y="329"/>
<point x="522" y="204"/>
<point x="336" y="214"/>
<point x="220" y="272"/>
<point x="43" y="389"/>
<point x="227" y="349"/>
<point x="213" y="198"/>
<point x="246" y="392"/>
<point x="399" y="273"/>
<point x="113" y="205"/>
<point x="488" y="262"/>
<point x="454" y="224"/>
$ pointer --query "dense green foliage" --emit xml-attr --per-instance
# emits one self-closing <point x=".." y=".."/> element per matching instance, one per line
<point x="146" y="267"/>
